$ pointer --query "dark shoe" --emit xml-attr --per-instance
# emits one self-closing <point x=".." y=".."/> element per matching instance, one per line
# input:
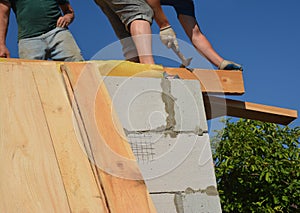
<point x="230" y="65"/>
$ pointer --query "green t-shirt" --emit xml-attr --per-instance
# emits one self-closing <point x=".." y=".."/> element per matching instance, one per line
<point x="36" y="17"/>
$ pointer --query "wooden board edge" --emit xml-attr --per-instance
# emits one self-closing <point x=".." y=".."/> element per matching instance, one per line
<point x="217" y="107"/>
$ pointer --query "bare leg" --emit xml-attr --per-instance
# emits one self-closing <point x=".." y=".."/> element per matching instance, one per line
<point x="141" y="33"/>
<point x="199" y="41"/>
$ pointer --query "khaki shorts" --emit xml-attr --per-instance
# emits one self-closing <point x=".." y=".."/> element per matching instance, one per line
<point x="126" y="10"/>
<point x="120" y="14"/>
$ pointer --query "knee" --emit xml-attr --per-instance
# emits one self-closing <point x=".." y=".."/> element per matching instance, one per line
<point x="196" y="34"/>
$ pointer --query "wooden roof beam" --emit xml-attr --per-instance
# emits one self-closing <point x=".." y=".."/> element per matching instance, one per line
<point x="213" y="81"/>
<point x="217" y="106"/>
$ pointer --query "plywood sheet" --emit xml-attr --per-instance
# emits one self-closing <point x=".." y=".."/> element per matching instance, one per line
<point x="118" y="170"/>
<point x="83" y="193"/>
<point x="30" y="176"/>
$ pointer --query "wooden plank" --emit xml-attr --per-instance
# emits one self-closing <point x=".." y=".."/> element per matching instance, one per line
<point x="108" y="67"/>
<point x="118" y="170"/>
<point x="30" y="179"/>
<point x="18" y="60"/>
<point x="83" y="193"/>
<point x="217" y="106"/>
<point x="213" y="81"/>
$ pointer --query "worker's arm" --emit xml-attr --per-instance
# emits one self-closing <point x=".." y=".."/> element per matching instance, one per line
<point x="159" y="14"/>
<point x="68" y="16"/>
<point x="4" y="19"/>
<point x="167" y="34"/>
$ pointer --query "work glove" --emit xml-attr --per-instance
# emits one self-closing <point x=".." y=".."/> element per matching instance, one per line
<point x="230" y="65"/>
<point x="168" y="37"/>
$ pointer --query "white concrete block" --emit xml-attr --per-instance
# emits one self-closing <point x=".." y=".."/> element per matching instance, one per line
<point x="157" y="104"/>
<point x="165" y="123"/>
<point x="174" y="164"/>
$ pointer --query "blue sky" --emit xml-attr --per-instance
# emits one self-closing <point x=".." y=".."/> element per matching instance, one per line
<point x="264" y="36"/>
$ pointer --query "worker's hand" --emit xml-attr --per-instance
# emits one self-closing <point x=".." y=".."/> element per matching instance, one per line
<point x="168" y="37"/>
<point x="4" y="52"/>
<point x="64" y="21"/>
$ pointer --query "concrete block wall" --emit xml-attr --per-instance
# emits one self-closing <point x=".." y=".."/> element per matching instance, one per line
<point x="164" y="120"/>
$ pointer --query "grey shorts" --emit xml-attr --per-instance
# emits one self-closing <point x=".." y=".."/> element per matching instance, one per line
<point x="127" y="10"/>
<point x="57" y="44"/>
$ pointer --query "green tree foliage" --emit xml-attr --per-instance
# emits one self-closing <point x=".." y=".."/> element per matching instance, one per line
<point x="258" y="167"/>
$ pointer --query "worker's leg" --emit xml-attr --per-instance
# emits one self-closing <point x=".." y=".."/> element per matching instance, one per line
<point x="136" y="15"/>
<point x="62" y="45"/>
<point x="128" y="46"/>
<point x="141" y="34"/>
<point x="199" y="41"/>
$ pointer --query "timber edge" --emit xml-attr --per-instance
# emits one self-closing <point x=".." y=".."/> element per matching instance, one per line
<point x="212" y="82"/>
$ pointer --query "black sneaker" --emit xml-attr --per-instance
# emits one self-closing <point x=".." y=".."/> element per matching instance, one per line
<point x="230" y="65"/>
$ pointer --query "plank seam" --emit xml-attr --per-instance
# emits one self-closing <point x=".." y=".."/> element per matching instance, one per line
<point x="76" y="111"/>
<point x="48" y="129"/>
